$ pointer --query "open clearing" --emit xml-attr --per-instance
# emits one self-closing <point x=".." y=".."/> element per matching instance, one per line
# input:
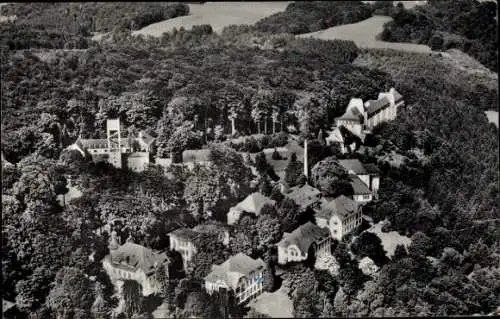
<point x="363" y="34"/>
<point x="217" y="14"/>
<point x="492" y="117"/>
<point x="275" y="305"/>
<point x="389" y="240"/>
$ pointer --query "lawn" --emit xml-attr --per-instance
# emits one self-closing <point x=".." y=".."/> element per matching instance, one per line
<point x="218" y="15"/>
<point x="389" y="240"/>
<point x="363" y="34"/>
<point x="275" y="305"/>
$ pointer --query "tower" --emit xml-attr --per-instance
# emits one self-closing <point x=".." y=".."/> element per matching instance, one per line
<point x="114" y="142"/>
<point x="305" y="159"/>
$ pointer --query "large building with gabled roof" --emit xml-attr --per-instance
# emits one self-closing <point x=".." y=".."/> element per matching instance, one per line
<point x="131" y="261"/>
<point x="341" y="216"/>
<point x="252" y="204"/>
<point x="241" y="274"/>
<point x="295" y="246"/>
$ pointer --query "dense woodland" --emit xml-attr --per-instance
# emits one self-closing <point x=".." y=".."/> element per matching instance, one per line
<point x="444" y="196"/>
<point x="310" y="16"/>
<point x="468" y="25"/>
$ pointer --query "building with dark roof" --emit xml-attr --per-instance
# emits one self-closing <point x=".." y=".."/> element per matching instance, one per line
<point x="369" y="174"/>
<point x="241" y="274"/>
<point x="131" y="261"/>
<point x="295" y="246"/>
<point x="340" y="216"/>
<point x="305" y="196"/>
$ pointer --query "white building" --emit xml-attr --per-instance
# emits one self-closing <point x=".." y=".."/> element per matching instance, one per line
<point x="113" y="148"/>
<point x="184" y="240"/>
<point x="252" y="204"/>
<point x="294" y="247"/>
<point x="368" y="174"/>
<point x="341" y="216"/>
<point x="131" y="261"/>
<point x="240" y="273"/>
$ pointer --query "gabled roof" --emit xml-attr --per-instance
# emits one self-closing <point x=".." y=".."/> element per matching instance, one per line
<point x="93" y="143"/>
<point x="196" y="156"/>
<point x="254" y="203"/>
<point x="335" y="136"/>
<point x="134" y="256"/>
<point x="359" y="186"/>
<point x="236" y="267"/>
<point x="304" y="196"/>
<point x="355" y="103"/>
<point x="145" y="138"/>
<point x="341" y="206"/>
<point x="139" y="154"/>
<point x="185" y="233"/>
<point x="353" y="165"/>
<point x="6" y="305"/>
<point x="397" y="96"/>
<point x="352" y="115"/>
<point x="304" y="236"/>
<point x="209" y="228"/>
<point x="372" y="106"/>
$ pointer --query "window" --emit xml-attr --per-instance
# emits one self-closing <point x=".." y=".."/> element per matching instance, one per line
<point x="366" y="196"/>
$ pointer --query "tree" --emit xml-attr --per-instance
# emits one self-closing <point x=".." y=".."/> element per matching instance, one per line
<point x="400" y="252"/>
<point x="293" y="170"/>
<point x="311" y="115"/>
<point x="100" y="308"/>
<point x="331" y="178"/>
<point x="132" y="296"/>
<point x="265" y="186"/>
<point x="72" y="293"/>
<point x="289" y="214"/>
<point x="261" y="163"/>
<point x="276" y="194"/>
<point x="369" y="245"/>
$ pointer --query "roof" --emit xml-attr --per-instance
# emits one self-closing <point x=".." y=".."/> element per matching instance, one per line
<point x="351" y="114"/>
<point x="353" y="165"/>
<point x="134" y="256"/>
<point x="304" y="236"/>
<point x="356" y="104"/>
<point x="372" y="106"/>
<point x="341" y="206"/>
<point x="145" y="138"/>
<point x="304" y="196"/>
<point x="335" y="136"/>
<point x="359" y="187"/>
<point x="6" y="305"/>
<point x="254" y="203"/>
<point x="98" y="143"/>
<point x="139" y="154"/>
<point x="236" y="267"/>
<point x="185" y="233"/>
<point x="209" y="228"/>
<point x="397" y="96"/>
<point x="203" y="155"/>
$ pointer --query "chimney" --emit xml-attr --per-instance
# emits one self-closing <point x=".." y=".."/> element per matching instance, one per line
<point x="305" y="159"/>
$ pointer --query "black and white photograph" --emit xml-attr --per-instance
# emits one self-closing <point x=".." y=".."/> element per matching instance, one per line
<point x="246" y="159"/>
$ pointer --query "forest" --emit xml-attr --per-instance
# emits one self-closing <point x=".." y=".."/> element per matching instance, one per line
<point x="310" y="16"/>
<point x="468" y="25"/>
<point x="444" y="196"/>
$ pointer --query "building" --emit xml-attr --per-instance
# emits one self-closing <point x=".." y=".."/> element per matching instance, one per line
<point x="199" y="157"/>
<point x="295" y="246"/>
<point x="184" y="240"/>
<point x="10" y="310"/>
<point x="305" y="196"/>
<point x="345" y="139"/>
<point x="361" y="118"/>
<point x="138" y="161"/>
<point x="367" y="173"/>
<point x="241" y="274"/>
<point x="131" y="261"/>
<point x="252" y="204"/>
<point x="116" y="148"/>
<point x="72" y="193"/>
<point x="361" y="192"/>
<point x="341" y="216"/>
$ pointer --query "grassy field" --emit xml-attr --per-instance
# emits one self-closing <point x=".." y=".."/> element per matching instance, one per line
<point x="363" y="34"/>
<point x="218" y="15"/>
<point x="389" y="240"/>
<point x="275" y="305"/>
